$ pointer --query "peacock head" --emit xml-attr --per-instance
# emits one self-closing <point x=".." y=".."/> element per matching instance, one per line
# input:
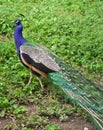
<point x="17" y="21"/>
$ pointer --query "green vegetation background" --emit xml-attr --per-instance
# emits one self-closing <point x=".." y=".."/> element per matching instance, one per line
<point x="73" y="29"/>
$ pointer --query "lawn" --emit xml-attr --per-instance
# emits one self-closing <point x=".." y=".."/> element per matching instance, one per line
<point x="70" y="28"/>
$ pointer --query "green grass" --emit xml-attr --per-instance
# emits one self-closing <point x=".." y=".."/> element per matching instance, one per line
<point x="73" y="26"/>
<point x="70" y="28"/>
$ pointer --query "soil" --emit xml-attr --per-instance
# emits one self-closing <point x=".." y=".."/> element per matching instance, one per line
<point x="4" y="122"/>
<point x="75" y="122"/>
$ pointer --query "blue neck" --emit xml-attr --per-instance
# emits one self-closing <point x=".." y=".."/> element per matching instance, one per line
<point x="18" y="37"/>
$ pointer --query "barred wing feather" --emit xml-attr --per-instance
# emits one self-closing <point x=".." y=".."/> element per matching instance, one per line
<point x="39" y="56"/>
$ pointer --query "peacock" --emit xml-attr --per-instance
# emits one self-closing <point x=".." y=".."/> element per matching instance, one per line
<point x="42" y="62"/>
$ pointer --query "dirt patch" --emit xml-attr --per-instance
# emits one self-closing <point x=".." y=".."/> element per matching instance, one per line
<point x="74" y="123"/>
<point x="4" y="122"/>
<point x="31" y="109"/>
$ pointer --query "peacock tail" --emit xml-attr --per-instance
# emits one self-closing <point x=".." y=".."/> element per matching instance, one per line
<point x="80" y="90"/>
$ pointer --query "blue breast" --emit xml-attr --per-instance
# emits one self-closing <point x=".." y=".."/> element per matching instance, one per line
<point x="18" y="37"/>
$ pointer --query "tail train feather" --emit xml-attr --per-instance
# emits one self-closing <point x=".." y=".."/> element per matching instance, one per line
<point x="88" y="100"/>
<point x="82" y="91"/>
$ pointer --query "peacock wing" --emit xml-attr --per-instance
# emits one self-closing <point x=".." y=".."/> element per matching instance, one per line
<point x="39" y="57"/>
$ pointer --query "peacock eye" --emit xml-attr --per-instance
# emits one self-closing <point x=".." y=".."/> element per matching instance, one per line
<point x="17" y="21"/>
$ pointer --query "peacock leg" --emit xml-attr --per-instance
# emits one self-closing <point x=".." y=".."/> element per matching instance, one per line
<point x="30" y="79"/>
<point x="38" y="78"/>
